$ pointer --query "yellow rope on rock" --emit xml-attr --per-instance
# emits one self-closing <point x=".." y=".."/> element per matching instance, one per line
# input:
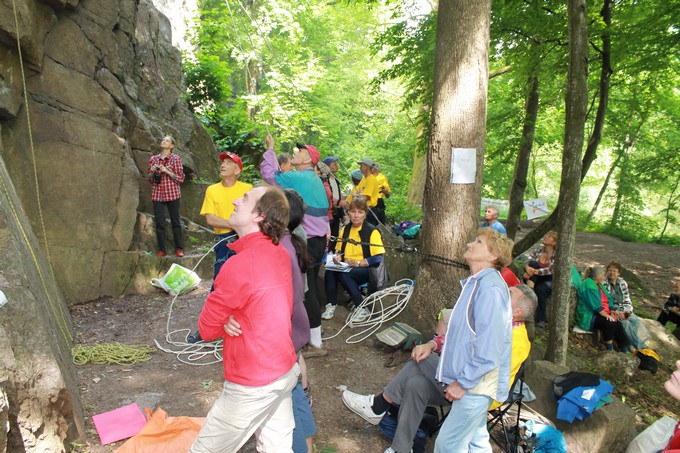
<point x="111" y="353"/>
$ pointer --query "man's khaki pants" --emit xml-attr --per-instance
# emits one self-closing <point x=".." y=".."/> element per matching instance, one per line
<point x="240" y="411"/>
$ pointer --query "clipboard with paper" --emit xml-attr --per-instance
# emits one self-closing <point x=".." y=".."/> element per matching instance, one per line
<point x="339" y="266"/>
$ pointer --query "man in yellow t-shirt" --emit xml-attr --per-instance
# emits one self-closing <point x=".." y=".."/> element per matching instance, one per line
<point x="218" y="205"/>
<point x="368" y="188"/>
<point x="384" y="191"/>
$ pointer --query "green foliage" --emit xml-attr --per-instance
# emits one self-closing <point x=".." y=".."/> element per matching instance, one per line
<point x="356" y="80"/>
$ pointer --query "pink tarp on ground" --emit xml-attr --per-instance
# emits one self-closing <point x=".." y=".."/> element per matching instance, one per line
<point x="163" y="434"/>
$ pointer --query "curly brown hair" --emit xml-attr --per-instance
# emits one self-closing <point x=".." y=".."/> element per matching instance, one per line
<point x="273" y="206"/>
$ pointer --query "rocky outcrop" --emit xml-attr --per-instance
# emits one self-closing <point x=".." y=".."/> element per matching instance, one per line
<point x="84" y="103"/>
<point x="104" y="85"/>
<point x="40" y="408"/>
<point x="609" y="429"/>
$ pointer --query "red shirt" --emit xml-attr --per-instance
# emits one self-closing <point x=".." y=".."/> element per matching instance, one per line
<point x="256" y="286"/>
<point x="168" y="189"/>
<point x="604" y="301"/>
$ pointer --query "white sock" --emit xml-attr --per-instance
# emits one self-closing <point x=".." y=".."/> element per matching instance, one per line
<point x="315" y="337"/>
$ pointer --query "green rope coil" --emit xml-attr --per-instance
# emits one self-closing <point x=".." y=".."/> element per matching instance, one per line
<point x="111" y="353"/>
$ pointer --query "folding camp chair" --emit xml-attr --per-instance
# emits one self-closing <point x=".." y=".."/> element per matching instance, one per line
<point x="508" y="418"/>
<point x="498" y="416"/>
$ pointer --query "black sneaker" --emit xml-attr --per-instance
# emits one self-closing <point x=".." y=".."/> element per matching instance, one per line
<point x="194" y="337"/>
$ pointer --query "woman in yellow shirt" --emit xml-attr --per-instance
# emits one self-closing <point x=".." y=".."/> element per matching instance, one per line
<point x="359" y="257"/>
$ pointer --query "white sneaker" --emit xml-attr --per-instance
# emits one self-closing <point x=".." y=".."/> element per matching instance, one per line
<point x="330" y="311"/>
<point x="361" y="405"/>
<point x="361" y="315"/>
<point x="392" y="450"/>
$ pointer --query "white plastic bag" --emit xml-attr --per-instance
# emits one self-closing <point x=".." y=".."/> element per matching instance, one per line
<point x="654" y="438"/>
<point x="178" y="280"/>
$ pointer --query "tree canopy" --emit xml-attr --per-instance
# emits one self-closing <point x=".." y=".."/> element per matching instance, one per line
<point x="356" y="79"/>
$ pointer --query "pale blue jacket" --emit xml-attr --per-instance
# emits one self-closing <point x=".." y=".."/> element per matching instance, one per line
<point x="479" y="335"/>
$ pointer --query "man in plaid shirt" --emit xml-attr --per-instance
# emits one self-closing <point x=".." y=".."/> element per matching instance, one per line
<point x="165" y="174"/>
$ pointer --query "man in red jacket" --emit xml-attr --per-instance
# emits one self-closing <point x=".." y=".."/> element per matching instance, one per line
<point x="260" y="368"/>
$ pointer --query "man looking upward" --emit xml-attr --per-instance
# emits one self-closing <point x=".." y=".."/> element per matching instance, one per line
<point x="260" y="367"/>
<point x="491" y="220"/>
<point x="218" y="205"/>
<point x="368" y="188"/>
<point x="307" y="183"/>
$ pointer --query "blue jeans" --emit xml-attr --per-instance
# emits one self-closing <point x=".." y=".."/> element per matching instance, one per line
<point x="349" y="280"/>
<point x="222" y="252"/>
<point x="461" y="425"/>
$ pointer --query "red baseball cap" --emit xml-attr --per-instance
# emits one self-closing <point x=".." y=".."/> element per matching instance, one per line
<point x="314" y="154"/>
<point x="232" y="157"/>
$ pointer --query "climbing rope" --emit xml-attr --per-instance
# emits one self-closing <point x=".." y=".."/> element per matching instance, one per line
<point x="57" y="310"/>
<point x="382" y="306"/>
<point x="111" y="354"/>
<point x="201" y="353"/>
<point x="408" y="249"/>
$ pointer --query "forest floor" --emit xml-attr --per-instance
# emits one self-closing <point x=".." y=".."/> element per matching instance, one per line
<point x="190" y="390"/>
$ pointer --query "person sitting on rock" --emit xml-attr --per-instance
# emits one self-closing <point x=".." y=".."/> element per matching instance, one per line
<point x="623" y="306"/>
<point x="538" y="274"/>
<point x="595" y="307"/>
<point x="417" y="378"/>
<point x="671" y="309"/>
<point x="353" y="249"/>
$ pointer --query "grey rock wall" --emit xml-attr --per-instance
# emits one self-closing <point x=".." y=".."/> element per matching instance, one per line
<point x="40" y="407"/>
<point x="104" y="85"/>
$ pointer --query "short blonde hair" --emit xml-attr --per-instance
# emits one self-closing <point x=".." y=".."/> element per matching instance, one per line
<point x="499" y="245"/>
<point x="552" y="234"/>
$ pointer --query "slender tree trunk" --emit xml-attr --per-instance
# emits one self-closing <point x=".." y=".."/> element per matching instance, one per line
<point x="671" y="205"/>
<point x="621" y="182"/>
<point x="591" y="151"/>
<point x="603" y="189"/>
<point x="576" y="106"/>
<point x="519" y="180"/>
<point x="458" y="121"/>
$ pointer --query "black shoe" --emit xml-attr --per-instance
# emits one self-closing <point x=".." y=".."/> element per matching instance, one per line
<point x="194" y="337"/>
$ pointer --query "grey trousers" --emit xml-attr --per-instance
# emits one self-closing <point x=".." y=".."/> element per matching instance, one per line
<point x="413" y="389"/>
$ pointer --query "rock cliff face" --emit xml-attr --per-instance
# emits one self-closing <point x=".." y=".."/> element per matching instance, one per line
<point x="103" y="84"/>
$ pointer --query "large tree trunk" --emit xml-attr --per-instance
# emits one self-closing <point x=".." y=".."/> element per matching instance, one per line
<point x="519" y="180"/>
<point x="451" y="211"/>
<point x="591" y="151"/>
<point x="576" y="106"/>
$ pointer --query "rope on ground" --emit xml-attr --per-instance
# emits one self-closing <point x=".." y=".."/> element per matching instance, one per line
<point x="200" y="353"/>
<point x="380" y="309"/>
<point x="111" y="353"/>
<point x="408" y="249"/>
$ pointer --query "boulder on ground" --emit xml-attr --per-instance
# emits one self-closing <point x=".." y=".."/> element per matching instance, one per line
<point x="608" y="429"/>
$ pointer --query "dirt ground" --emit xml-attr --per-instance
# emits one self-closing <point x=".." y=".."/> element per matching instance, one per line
<point x="190" y="390"/>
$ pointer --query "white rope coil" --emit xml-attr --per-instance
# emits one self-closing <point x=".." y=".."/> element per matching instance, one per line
<point x="383" y="306"/>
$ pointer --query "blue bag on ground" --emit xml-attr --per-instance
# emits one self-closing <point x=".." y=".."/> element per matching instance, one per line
<point x="388" y="426"/>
